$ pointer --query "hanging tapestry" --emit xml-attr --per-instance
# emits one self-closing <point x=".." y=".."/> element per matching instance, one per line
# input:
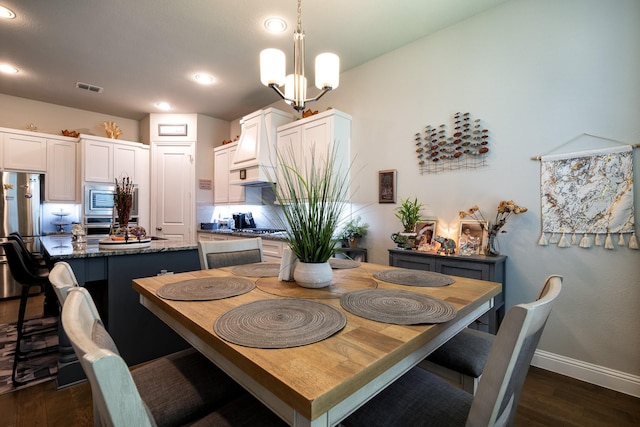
<point x="589" y="193"/>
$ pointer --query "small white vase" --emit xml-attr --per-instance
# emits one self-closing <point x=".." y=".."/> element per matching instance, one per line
<point x="313" y="274"/>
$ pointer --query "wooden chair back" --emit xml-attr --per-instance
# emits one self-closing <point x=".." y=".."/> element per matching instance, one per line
<point x="63" y="280"/>
<point x="498" y="394"/>
<point x="117" y="401"/>
<point x="225" y="253"/>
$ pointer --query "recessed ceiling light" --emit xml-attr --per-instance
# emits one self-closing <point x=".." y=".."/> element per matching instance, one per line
<point x="6" y="13"/>
<point x="275" y="25"/>
<point x="8" y="69"/>
<point x="164" y="106"/>
<point x="204" y="78"/>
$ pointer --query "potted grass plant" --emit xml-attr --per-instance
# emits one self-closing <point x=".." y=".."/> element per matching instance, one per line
<point x="313" y="196"/>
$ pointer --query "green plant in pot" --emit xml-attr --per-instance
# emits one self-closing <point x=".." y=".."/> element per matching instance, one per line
<point x="313" y="195"/>
<point x="408" y="213"/>
<point x="353" y="230"/>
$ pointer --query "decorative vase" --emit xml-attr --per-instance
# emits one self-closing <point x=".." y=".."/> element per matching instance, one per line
<point x="353" y="243"/>
<point x="313" y="274"/>
<point x="493" y="246"/>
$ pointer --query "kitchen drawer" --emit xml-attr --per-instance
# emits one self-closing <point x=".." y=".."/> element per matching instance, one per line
<point x="272" y="249"/>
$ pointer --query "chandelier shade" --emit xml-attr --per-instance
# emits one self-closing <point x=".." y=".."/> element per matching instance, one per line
<point x="273" y="71"/>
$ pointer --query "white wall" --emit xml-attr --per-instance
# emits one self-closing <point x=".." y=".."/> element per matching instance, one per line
<point x="18" y="113"/>
<point x="537" y="73"/>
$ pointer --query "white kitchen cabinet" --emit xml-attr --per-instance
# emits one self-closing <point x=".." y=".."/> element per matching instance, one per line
<point x="318" y="132"/>
<point x="24" y="152"/>
<point x="61" y="181"/>
<point x="223" y="191"/>
<point x="103" y="160"/>
<point x="272" y="249"/>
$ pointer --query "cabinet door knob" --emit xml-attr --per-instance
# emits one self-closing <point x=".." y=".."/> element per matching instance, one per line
<point x="158" y="228"/>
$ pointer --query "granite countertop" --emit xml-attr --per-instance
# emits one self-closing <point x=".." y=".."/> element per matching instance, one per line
<point x="62" y="247"/>
<point x="269" y="236"/>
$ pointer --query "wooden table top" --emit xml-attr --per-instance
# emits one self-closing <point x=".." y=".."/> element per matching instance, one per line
<point x="314" y="378"/>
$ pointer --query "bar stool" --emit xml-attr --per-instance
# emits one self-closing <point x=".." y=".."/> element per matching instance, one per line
<point x="23" y="275"/>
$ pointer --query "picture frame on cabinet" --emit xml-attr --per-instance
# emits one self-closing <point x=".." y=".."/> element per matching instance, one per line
<point x="426" y="230"/>
<point x="172" y="130"/>
<point x="472" y="236"/>
<point x="387" y="184"/>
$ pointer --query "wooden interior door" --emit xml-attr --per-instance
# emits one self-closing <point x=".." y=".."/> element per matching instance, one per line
<point x="172" y="191"/>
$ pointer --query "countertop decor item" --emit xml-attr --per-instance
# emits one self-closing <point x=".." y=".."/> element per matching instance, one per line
<point x="353" y="230"/>
<point x="313" y="197"/>
<point x="505" y="209"/>
<point x="122" y="201"/>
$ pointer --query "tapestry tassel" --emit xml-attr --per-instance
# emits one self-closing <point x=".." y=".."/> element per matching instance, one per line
<point x="620" y="240"/>
<point x="573" y="238"/>
<point x="554" y="238"/>
<point x="564" y="242"/>
<point x="608" y="243"/>
<point x="633" y="241"/>
<point x="543" y="240"/>
<point x="585" y="242"/>
<point x="598" y="240"/>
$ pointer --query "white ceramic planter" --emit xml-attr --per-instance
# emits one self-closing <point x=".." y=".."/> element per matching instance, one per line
<point x="313" y="275"/>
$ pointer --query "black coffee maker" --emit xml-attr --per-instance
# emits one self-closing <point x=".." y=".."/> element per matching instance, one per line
<point x="243" y="220"/>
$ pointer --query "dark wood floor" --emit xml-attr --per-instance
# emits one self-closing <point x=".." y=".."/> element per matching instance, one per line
<point x="548" y="399"/>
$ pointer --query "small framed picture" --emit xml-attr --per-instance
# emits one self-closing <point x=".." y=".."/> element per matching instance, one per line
<point x="425" y="233"/>
<point x="172" y="130"/>
<point x="387" y="186"/>
<point x="472" y="237"/>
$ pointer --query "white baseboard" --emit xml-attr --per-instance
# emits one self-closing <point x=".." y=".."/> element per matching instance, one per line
<point x="593" y="374"/>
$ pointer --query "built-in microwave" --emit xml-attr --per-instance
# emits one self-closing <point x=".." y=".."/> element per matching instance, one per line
<point x="98" y="200"/>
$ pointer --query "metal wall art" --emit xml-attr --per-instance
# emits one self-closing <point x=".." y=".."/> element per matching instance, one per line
<point x="466" y="147"/>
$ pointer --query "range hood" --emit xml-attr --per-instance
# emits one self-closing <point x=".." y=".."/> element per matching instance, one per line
<point x="256" y="150"/>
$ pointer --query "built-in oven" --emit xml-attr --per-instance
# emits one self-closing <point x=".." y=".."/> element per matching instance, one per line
<point x="99" y="212"/>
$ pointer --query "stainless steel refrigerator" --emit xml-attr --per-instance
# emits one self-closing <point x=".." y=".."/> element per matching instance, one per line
<point x="21" y="211"/>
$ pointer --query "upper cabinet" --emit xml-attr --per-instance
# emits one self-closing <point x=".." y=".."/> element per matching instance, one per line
<point x="223" y="191"/>
<point x="256" y="148"/>
<point x="318" y="132"/>
<point x="60" y="184"/>
<point x="103" y="160"/>
<point x="24" y="152"/>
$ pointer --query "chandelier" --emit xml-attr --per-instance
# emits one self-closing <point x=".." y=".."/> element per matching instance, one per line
<point x="273" y="70"/>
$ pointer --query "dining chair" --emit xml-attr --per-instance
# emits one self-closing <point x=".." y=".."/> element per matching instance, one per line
<point x="28" y="279"/>
<point x="225" y="253"/>
<point x="420" y="398"/>
<point x="184" y="388"/>
<point x="462" y="358"/>
<point x="63" y="280"/>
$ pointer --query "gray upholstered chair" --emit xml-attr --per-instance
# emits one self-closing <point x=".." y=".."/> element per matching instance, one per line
<point x="420" y="398"/>
<point x="225" y="253"/>
<point x="184" y="388"/>
<point x="461" y="359"/>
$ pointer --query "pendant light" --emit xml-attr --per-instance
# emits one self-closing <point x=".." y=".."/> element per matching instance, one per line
<point x="273" y="74"/>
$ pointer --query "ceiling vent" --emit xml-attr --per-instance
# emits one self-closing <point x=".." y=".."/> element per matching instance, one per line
<point x="90" y="88"/>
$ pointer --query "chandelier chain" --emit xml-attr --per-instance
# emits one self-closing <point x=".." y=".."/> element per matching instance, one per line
<point x="299" y="15"/>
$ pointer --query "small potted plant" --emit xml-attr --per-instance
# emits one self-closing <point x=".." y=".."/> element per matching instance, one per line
<point x="353" y="230"/>
<point x="409" y="214"/>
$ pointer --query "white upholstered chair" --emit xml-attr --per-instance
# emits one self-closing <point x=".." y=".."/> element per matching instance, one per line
<point x="225" y="253"/>
<point x="184" y="388"/>
<point x="462" y="358"/>
<point x="420" y="398"/>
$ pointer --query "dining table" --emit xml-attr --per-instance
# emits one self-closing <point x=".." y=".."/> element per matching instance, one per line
<point x="313" y="356"/>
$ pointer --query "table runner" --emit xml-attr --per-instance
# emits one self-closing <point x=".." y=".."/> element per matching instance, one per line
<point x="414" y="277"/>
<point x="206" y="288"/>
<point x="279" y="323"/>
<point x="397" y="306"/>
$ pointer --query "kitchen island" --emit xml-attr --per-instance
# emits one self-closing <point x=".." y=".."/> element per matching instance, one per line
<point x="108" y="274"/>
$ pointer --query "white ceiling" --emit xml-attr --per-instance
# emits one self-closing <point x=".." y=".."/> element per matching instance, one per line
<point x="145" y="51"/>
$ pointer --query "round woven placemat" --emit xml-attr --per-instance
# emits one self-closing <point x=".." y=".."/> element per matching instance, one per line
<point x="337" y="263"/>
<point x="397" y="306"/>
<point x="279" y="323"/>
<point x="260" y="269"/>
<point x="206" y="288"/>
<point x="414" y="277"/>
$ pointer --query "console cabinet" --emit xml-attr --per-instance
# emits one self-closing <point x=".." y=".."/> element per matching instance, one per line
<point x="474" y="267"/>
